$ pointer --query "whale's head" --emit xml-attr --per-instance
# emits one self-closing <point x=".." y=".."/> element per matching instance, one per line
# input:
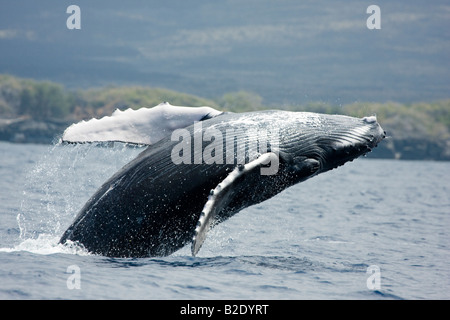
<point x="329" y="141"/>
<point x="347" y="139"/>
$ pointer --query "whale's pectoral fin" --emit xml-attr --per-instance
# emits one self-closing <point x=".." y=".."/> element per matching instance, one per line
<point x="143" y="126"/>
<point x="221" y="196"/>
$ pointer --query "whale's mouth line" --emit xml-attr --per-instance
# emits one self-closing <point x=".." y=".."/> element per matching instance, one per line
<point x="342" y="146"/>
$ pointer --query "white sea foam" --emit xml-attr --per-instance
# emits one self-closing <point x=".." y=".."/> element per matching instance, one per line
<point x="46" y="244"/>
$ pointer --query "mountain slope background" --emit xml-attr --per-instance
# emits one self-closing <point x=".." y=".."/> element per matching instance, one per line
<point x="286" y="51"/>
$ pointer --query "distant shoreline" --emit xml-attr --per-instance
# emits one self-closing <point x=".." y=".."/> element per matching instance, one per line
<point x="23" y="130"/>
<point x="39" y="111"/>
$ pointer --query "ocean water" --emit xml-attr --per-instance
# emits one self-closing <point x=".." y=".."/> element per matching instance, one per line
<point x="372" y="229"/>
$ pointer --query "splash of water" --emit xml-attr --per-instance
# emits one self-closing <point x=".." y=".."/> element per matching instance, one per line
<point x="47" y="244"/>
<point x="57" y="187"/>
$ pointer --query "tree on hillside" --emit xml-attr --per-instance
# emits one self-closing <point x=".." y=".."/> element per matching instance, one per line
<point x="44" y="100"/>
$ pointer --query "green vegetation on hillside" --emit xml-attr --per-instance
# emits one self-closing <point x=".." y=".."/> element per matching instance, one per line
<point x="417" y="130"/>
<point x="418" y="120"/>
<point x="48" y="100"/>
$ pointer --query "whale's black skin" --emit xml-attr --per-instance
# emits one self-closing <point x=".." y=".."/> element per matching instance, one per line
<point x="151" y="206"/>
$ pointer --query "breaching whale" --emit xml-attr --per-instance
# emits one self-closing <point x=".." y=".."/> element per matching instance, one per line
<point x="201" y="167"/>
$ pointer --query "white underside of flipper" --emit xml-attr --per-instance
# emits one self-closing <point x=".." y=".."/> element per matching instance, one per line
<point x="219" y="197"/>
<point x="143" y="126"/>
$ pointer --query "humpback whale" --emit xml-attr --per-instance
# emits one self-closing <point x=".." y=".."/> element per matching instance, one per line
<point x="201" y="167"/>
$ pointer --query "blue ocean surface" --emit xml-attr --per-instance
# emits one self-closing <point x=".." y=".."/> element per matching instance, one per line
<point x="372" y="229"/>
